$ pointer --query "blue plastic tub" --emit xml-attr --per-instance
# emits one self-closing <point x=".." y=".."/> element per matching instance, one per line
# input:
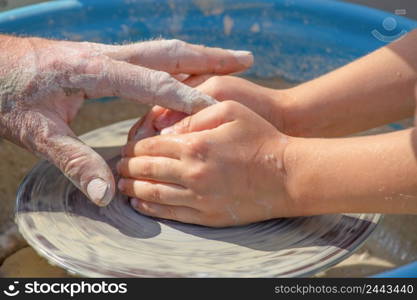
<point x="294" y="39"/>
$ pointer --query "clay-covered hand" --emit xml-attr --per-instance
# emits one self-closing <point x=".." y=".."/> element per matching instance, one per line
<point x="222" y="166"/>
<point x="43" y="83"/>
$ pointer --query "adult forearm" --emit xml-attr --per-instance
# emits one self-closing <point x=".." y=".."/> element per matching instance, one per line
<point x="374" y="90"/>
<point x="353" y="175"/>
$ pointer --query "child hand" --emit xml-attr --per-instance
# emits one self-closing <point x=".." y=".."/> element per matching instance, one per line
<point x="223" y="166"/>
<point x="269" y="103"/>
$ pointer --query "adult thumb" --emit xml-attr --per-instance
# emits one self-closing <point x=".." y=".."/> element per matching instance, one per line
<point x="86" y="169"/>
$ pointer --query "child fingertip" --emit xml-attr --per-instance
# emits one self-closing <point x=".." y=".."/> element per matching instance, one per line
<point x="134" y="202"/>
<point x="121" y="185"/>
<point x="168" y="130"/>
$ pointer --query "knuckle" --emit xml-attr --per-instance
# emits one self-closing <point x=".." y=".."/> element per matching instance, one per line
<point x="202" y="202"/>
<point x="171" y="212"/>
<point x="92" y="65"/>
<point x="129" y="149"/>
<point x="219" y="87"/>
<point x="174" y="48"/>
<point x="198" y="149"/>
<point x="53" y="63"/>
<point x="175" y="43"/>
<point x="196" y="175"/>
<point x="185" y="124"/>
<point x="148" y="145"/>
<point x="87" y="54"/>
<point x="161" y="77"/>
<point x="52" y="60"/>
<point x="68" y="158"/>
<point x="146" y="168"/>
<point x="155" y="194"/>
<point x="215" y="81"/>
<point x="212" y="218"/>
<point x="78" y="62"/>
<point x="229" y="108"/>
<point x="73" y="164"/>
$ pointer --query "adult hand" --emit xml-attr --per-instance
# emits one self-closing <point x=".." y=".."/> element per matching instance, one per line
<point x="43" y="83"/>
<point x="219" y="167"/>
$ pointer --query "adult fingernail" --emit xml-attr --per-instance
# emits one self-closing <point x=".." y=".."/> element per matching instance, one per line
<point x="244" y="58"/>
<point x="181" y="76"/>
<point x="99" y="192"/>
<point x="168" y="130"/>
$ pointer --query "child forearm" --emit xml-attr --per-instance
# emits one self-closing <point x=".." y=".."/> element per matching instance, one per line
<point x="374" y="90"/>
<point x="353" y="175"/>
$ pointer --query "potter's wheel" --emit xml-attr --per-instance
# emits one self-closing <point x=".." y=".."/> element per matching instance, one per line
<point x="71" y="232"/>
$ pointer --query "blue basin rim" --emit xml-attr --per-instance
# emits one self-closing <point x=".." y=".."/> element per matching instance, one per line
<point x="294" y="39"/>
